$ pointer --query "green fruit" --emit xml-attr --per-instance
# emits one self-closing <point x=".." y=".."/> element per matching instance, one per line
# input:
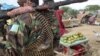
<point x="69" y="42"/>
<point x="64" y="41"/>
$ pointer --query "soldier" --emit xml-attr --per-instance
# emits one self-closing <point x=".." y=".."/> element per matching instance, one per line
<point x="33" y="35"/>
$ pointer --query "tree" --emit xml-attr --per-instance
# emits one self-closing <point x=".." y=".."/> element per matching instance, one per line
<point x="69" y="12"/>
<point x="92" y="8"/>
<point x="65" y="9"/>
<point x="72" y="12"/>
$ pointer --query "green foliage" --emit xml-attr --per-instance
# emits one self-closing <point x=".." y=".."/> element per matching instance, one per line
<point x="66" y="9"/>
<point x="69" y="12"/>
<point x="92" y="7"/>
<point x="72" y="12"/>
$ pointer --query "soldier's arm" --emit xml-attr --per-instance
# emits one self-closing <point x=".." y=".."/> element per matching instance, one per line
<point x="20" y="10"/>
<point x="15" y="12"/>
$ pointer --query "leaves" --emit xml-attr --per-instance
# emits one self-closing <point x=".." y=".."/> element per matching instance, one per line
<point x="69" y="12"/>
<point x="92" y="7"/>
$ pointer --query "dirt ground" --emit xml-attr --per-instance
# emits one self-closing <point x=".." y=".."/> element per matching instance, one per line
<point x="87" y="30"/>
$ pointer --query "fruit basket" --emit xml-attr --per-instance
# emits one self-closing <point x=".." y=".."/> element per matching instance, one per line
<point x="72" y="40"/>
<point x="73" y="44"/>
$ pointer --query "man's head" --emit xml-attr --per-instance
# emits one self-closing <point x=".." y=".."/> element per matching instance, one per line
<point x="28" y="2"/>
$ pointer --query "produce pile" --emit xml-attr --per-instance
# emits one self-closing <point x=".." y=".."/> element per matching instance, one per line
<point x="73" y="38"/>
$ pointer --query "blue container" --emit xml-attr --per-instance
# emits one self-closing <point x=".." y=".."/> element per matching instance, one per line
<point x="7" y="7"/>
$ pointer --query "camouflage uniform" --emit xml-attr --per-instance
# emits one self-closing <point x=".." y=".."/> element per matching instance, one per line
<point x="34" y="36"/>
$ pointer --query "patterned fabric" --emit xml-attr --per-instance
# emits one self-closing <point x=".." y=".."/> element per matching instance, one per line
<point x="34" y="36"/>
